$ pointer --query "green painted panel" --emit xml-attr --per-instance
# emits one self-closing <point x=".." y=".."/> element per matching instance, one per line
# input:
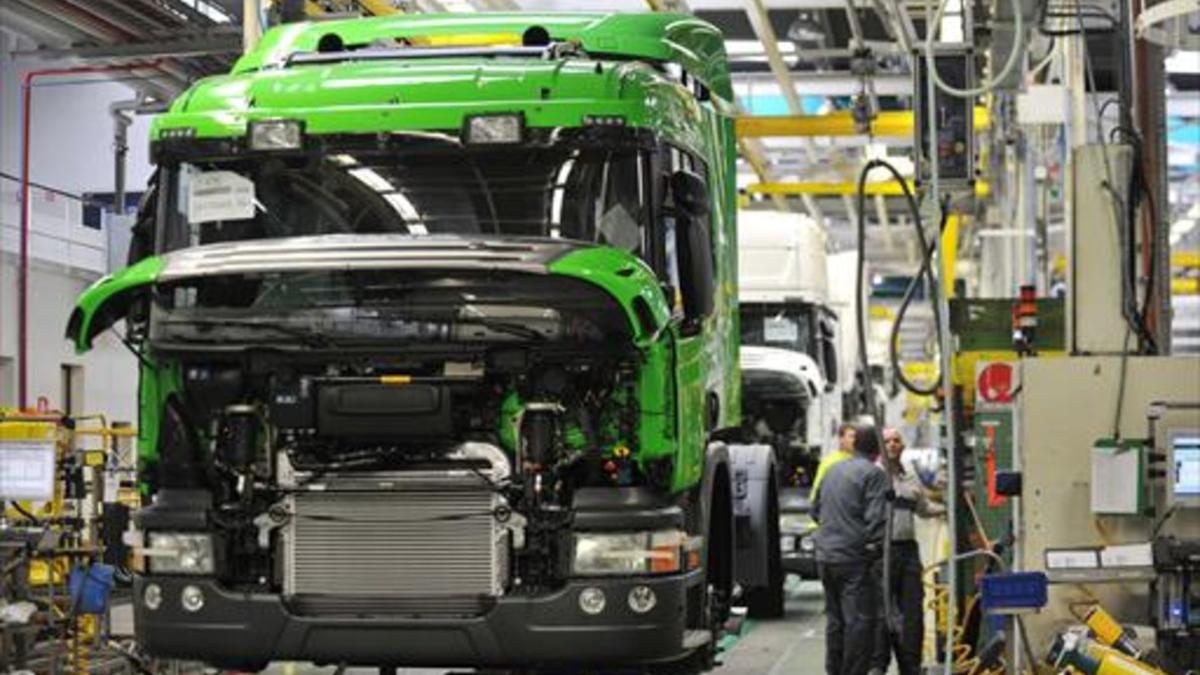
<point x="994" y="433"/>
<point x="986" y="324"/>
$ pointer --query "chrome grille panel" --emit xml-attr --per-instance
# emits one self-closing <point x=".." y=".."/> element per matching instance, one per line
<point x="402" y="536"/>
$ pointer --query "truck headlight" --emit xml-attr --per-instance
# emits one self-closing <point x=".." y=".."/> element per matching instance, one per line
<point x="628" y="553"/>
<point x="180" y="553"/>
<point x="276" y="135"/>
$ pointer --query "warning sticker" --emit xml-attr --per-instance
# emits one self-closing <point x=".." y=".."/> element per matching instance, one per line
<point x="219" y="195"/>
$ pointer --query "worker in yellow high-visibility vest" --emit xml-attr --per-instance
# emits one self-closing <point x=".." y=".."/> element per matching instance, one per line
<point x="845" y="451"/>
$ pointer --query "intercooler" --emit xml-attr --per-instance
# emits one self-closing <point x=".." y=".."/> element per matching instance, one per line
<point x="427" y="542"/>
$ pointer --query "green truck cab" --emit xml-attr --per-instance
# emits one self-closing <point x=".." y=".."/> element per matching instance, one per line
<point x="437" y="324"/>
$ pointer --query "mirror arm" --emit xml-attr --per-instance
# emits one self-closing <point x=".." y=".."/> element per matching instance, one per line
<point x="133" y="349"/>
<point x="690" y="326"/>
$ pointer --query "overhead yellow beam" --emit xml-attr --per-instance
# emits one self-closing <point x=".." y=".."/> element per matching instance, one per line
<point x="889" y="188"/>
<point x="889" y="123"/>
<point x="378" y="7"/>
<point x="1185" y="259"/>
<point x="1185" y="286"/>
<point x="468" y="40"/>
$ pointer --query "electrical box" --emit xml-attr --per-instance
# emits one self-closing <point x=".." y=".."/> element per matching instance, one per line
<point x="1095" y="295"/>
<point x="1043" y="104"/>
<point x="1118" y="468"/>
<point x="954" y="118"/>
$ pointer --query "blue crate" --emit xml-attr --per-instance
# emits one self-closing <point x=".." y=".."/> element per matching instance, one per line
<point x="90" y="587"/>
<point x="1013" y="592"/>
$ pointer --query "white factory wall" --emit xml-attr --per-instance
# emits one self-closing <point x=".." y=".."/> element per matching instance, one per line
<point x="71" y="135"/>
<point x="71" y="146"/>
<point x="106" y="376"/>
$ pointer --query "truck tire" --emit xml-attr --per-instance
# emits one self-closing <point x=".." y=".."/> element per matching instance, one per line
<point x="767" y="602"/>
<point x="759" y="557"/>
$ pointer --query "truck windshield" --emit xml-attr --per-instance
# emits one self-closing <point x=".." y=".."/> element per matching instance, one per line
<point x="595" y="195"/>
<point x="777" y="325"/>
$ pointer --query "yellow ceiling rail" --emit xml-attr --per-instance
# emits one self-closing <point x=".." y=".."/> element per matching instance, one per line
<point x="1185" y="286"/>
<point x="1185" y="259"/>
<point x="378" y="7"/>
<point x="889" y="188"/>
<point x="889" y="123"/>
<point x="469" y="40"/>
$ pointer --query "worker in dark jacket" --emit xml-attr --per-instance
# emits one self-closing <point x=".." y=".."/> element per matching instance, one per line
<point x="851" y="509"/>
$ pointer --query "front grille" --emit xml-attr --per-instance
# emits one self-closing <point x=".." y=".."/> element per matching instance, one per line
<point x="395" y="543"/>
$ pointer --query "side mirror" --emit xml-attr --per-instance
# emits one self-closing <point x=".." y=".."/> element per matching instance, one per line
<point x="694" y="246"/>
<point x="690" y="194"/>
<point x="830" y="357"/>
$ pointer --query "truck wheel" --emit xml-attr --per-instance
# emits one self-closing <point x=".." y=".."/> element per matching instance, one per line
<point x="766" y="602"/>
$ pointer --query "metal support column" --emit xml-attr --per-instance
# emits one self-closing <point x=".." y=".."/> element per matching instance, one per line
<point x="252" y="27"/>
<point x="1149" y="97"/>
<point x="1076" y="81"/>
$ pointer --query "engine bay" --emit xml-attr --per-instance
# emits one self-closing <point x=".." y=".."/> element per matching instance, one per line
<point x="258" y="430"/>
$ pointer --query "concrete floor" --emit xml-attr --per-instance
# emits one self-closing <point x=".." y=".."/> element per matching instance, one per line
<point x="794" y="644"/>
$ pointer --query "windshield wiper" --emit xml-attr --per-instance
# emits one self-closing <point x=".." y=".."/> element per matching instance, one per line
<point x="307" y="337"/>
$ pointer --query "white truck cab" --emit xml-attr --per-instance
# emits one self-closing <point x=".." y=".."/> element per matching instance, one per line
<point x="795" y="373"/>
<point x="791" y="353"/>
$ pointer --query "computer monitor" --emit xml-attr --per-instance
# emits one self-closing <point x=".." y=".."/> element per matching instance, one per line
<point x="1184" y="464"/>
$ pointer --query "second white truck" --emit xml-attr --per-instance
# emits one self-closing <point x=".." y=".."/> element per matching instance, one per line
<point x="796" y="372"/>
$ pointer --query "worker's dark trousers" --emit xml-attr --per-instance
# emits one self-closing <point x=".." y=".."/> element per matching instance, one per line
<point x="851" y="614"/>
<point x="905" y="634"/>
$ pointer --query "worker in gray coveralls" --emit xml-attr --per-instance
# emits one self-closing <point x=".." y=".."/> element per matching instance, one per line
<point x="851" y="509"/>
<point x="904" y="631"/>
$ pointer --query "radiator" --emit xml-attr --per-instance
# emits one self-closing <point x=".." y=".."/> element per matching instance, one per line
<point x="421" y="542"/>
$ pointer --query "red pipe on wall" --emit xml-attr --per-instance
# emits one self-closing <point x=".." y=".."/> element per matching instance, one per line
<point x="23" y="272"/>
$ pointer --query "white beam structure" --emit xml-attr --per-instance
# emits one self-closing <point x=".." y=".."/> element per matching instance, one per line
<point x="756" y="12"/>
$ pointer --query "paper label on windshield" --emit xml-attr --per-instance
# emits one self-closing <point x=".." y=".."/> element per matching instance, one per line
<point x="219" y="195"/>
<point x="780" y="330"/>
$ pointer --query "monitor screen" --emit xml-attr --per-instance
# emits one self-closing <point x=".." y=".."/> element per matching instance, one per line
<point x="1185" y="451"/>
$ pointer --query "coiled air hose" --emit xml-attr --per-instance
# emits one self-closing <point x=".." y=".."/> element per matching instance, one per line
<point x="926" y="271"/>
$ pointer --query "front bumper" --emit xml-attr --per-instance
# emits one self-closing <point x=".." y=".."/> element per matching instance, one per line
<point x="797" y="560"/>
<point x="236" y="628"/>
